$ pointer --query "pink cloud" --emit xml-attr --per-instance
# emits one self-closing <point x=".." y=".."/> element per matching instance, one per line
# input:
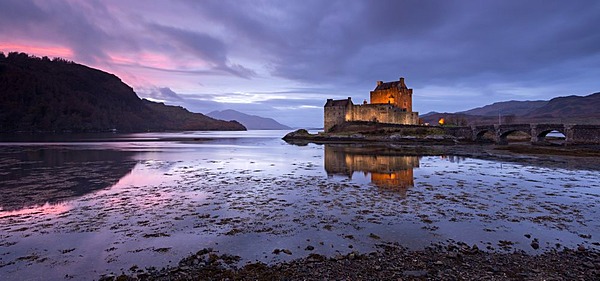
<point x="39" y="50"/>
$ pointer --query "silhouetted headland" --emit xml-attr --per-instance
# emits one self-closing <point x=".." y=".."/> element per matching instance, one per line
<point x="44" y="95"/>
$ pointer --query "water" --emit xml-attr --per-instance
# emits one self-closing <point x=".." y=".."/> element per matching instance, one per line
<point x="101" y="204"/>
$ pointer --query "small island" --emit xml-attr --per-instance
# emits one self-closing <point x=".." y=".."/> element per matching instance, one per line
<point x="389" y="118"/>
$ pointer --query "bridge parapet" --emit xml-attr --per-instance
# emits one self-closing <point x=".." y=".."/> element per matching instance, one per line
<point x="574" y="134"/>
<point x="583" y="134"/>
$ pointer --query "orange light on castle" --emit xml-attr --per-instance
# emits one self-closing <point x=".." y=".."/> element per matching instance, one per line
<point x="442" y="121"/>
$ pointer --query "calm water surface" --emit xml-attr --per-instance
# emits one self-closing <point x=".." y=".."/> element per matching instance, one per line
<point x="99" y="204"/>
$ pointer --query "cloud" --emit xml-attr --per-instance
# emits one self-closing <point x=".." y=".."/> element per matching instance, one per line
<point x="207" y="48"/>
<point x="293" y="55"/>
<point x="72" y="24"/>
<point x="164" y="94"/>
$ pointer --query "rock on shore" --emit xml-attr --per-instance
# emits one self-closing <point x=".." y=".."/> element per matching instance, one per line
<point x="455" y="261"/>
<point x="428" y="136"/>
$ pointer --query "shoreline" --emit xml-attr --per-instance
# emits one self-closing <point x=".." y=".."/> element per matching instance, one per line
<point x="585" y="157"/>
<point x="449" y="261"/>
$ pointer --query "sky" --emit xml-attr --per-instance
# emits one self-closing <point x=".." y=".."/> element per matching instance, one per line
<point x="284" y="59"/>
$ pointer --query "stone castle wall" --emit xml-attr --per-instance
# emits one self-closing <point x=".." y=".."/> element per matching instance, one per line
<point x="334" y="115"/>
<point x="401" y="98"/>
<point x="382" y="113"/>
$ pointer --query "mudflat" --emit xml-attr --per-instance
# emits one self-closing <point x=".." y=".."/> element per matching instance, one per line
<point x="259" y="208"/>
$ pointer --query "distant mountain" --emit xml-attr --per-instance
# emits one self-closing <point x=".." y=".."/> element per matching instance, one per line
<point x="428" y="113"/>
<point x="251" y="122"/>
<point x="39" y="94"/>
<point x="571" y="106"/>
<point x="512" y="107"/>
<point x="570" y="109"/>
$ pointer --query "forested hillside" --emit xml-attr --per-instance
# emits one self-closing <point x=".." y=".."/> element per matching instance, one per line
<point x="44" y="95"/>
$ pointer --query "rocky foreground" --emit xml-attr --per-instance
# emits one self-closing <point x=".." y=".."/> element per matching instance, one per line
<point x="456" y="261"/>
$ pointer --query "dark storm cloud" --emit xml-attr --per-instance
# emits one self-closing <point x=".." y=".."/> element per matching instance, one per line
<point x="318" y="41"/>
<point x="339" y="42"/>
<point x="60" y="21"/>
<point x="202" y="45"/>
<point x="455" y="54"/>
<point x="23" y="12"/>
<point x="433" y="42"/>
<point x="93" y="33"/>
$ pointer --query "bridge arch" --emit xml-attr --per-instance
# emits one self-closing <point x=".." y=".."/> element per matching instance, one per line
<point x="503" y="134"/>
<point x="480" y="133"/>
<point x="540" y="131"/>
<point x="541" y="136"/>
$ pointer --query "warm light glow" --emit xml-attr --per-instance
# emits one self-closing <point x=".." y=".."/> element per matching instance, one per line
<point x="396" y="179"/>
<point x="442" y="121"/>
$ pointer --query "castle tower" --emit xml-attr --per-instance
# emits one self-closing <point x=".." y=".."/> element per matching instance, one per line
<point x="395" y="93"/>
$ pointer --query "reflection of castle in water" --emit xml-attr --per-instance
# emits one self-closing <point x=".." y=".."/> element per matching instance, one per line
<point x="387" y="167"/>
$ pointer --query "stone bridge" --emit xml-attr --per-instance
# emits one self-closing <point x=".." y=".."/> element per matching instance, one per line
<point x="574" y="134"/>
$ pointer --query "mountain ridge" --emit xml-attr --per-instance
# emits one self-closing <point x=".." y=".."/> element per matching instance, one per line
<point x="571" y="109"/>
<point x="251" y="122"/>
<point x="506" y="107"/>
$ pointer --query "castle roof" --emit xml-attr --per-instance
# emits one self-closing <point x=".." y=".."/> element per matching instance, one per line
<point x="345" y="102"/>
<point x="391" y="85"/>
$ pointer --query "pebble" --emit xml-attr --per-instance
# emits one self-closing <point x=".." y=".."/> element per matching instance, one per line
<point x="399" y="264"/>
<point x="535" y="244"/>
<point x="588" y="264"/>
<point x="415" y="273"/>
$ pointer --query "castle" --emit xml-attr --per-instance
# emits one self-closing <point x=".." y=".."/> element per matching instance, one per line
<point x="391" y="102"/>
